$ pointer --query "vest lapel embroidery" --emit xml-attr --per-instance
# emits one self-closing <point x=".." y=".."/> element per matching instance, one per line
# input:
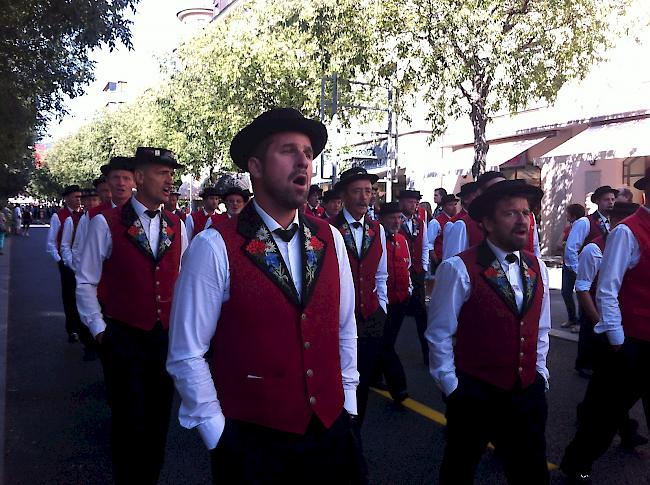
<point x="496" y="277"/>
<point x="529" y="277"/>
<point x="312" y="257"/>
<point x="167" y="235"/>
<point x="348" y="237"/>
<point x="261" y="248"/>
<point x="368" y="238"/>
<point x="135" y="232"/>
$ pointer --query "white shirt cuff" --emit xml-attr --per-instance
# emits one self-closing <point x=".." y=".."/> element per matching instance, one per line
<point x="449" y="383"/>
<point x="211" y="430"/>
<point x="350" y="403"/>
<point x="616" y="336"/>
<point x="96" y="326"/>
<point x="583" y="285"/>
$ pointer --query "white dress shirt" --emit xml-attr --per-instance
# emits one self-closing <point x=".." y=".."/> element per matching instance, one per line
<point x="381" y="276"/>
<point x="53" y="231"/>
<point x="588" y="265"/>
<point x="579" y="232"/>
<point x="433" y="231"/>
<point x="66" y="242"/>
<point x="202" y="287"/>
<point x="622" y="252"/>
<point x="452" y="290"/>
<point x="97" y="249"/>
<point x="80" y="237"/>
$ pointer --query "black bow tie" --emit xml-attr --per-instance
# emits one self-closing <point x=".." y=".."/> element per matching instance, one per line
<point x="152" y="214"/>
<point x="512" y="258"/>
<point x="286" y="234"/>
<point x="356" y="224"/>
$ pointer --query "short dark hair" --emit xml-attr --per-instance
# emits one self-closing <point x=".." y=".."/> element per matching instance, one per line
<point x="441" y="190"/>
<point x="576" y="210"/>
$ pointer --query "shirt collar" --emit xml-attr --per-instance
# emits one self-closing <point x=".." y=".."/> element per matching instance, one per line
<point x="138" y="206"/>
<point x="271" y="223"/>
<point x="602" y="216"/>
<point x="500" y="253"/>
<point x="349" y="219"/>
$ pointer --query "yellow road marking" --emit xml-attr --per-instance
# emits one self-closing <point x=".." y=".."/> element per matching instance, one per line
<point x="432" y="414"/>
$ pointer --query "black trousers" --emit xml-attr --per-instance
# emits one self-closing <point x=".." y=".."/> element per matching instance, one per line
<point x="139" y="392"/>
<point x="370" y="334"/>
<point x="252" y="454"/>
<point x="390" y="364"/>
<point x="417" y="308"/>
<point x="513" y="421"/>
<point x="619" y="380"/>
<point x="585" y="358"/>
<point x="73" y="322"/>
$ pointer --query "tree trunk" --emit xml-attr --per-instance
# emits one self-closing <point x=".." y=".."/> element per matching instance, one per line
<point x="481" y="147"/>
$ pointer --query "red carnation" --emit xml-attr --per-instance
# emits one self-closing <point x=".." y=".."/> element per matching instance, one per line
<point x="169" y="231"/>
<point x="315" y="243"/>
<point x="371" y="233"/>
<point x="256" y="247"/>
<point x="491" y="272"/>
<point x="133" y="231"/>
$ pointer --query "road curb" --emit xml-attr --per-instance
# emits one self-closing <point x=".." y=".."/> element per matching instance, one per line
<point x="564" y="335"/>
<point x="5" y="263"/>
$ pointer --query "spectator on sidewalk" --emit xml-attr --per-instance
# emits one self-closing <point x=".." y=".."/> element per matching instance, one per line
<point x="17" y="219"/>
<point x="27" y="220"/>
<point x="3" y="231"/>
<point x="573" y="213"/>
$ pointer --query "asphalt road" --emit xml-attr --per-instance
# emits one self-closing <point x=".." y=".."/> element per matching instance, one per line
<point x="57" y="421"/>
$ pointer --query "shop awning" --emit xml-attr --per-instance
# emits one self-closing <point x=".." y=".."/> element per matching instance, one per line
<point x="500" y="155"/>
<point x="614" y="140"/>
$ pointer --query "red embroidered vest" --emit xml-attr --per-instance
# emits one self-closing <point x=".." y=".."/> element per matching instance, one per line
<point x="63" y="214"/>
<point x="199" y="218"/>
<point x="600" y="242"/>
<point x="442" y="219"/>
<point x="180" y="214"/>
<point x="493" y="342"/>
<point x="634" y="296"/>
<point x="530" y="247"/>
<point x="594" y="228"/>
<point x="317" y="212"/>
<point x="397" y="259"/>
<point x="216" y="218"/>
<point x="276" y="363"/>
<point x="416" y="244"/>
<point x="364" y="269"/>
<point x="140" y="288"/>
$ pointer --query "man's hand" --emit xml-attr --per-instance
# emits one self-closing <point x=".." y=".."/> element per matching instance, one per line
<point x="99" y="337"/>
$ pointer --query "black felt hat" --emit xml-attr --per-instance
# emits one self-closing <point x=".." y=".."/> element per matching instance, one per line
<point x="642" y="183"/>
<point x="448" y="198"/>
<point x="117" y="163"/>
<point x="409" y="194"/>
<point x="70" y="189"/>
<point x="389" y="208"/>
<point x="234" y="190"/>
<point x="467" y="189"/>
<point x="89" y="192"/>
<point x="99" y="180"/>
<point x="331" y="195"/>
<point x="158" y="156"/>
<point x="353" y="174"/>
<point x="208" y="191"/>
<point x="600" y="191"/>
<point x="315" y="189"/>
<point x="484" y="203"/>
<point x="485" y="177"/>
<point x="278" y="120"/>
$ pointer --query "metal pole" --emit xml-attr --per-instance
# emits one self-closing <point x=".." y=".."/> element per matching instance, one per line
<point x="335" y="94"/>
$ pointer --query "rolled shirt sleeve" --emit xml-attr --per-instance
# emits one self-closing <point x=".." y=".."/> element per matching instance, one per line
<point x="51" y="245"/>
<point x="577" y="235"/>
<point x="544" y="325"/>
<point x="588" y="265"/>
<point x="66" y="242"/>
<point x="381" y="277"/>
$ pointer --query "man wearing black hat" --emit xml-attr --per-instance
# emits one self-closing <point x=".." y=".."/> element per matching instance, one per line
<point x="172" y="205"/>
<point x="414" y="230"/>
<point x="235" y="199"/>
<point x="398" y="262"/>
<point x="365" y="240"/>
<point x="435" y="228"/>
<point x="273" y="399"/>
<point x="494" y="299"/>
<point x="134" y="250"/>
<point x="197" y="220"/>
<point x="462" y="232"/>
<point x="72" y="209"/>
<point x="313" y="207"/>
<point x="332" y="203"/>
<point x="620" y="377"/>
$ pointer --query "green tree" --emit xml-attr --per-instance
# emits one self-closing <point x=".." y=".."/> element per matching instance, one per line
<point x="475" y="57"/>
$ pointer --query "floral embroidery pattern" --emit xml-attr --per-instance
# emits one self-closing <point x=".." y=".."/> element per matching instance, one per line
<point x="416" y="226"/>
<point x="166" y="236"/>
<point x="348" y="238"/>
<point x="265" y="252"/>
<point x="136" y="231"/>
<point x="313" y="251"/>
<point x="498" y="279"/>
<point x="368" y="237"/>
<point x="531" y="281"/>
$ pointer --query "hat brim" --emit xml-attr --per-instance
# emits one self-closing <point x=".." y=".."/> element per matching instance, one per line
<point x="341" y="184"/>
<point x="245" y="142"/>
<point x="108" y="168"/>
<point x="484" y="203"/>
<point x="641" y="184"/>
<point x="597" y="195"/>
<point x="245" y="194"/>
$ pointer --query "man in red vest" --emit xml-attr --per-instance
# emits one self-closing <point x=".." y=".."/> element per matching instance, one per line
<point x="414" y="229"/>
<point x="435" y="228"/>
<point x="398" y="262"/>
<point x="235" y="199"/>
<point x="332" y="204"/>
<point x="313" y="207"/>
<point x="196" y="221"/>
<point x="172" y="205"/>
<point x="365" y="241"/>
<point x="494" y="299"/>
<point x="71" y="209"/>
<point x="271" y="294"/>
<point x="620" y="377"/>
<point x="462" y="229"/>
<point x="135" y="250"/>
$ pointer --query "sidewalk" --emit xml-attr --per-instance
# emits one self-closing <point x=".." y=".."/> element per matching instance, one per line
<point x="5" y="260"/>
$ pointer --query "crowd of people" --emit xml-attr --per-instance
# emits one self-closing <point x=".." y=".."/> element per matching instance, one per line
<point x="274" y="318"/>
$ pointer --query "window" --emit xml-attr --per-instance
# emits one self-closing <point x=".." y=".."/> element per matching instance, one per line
<point x="633" y="170"/>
